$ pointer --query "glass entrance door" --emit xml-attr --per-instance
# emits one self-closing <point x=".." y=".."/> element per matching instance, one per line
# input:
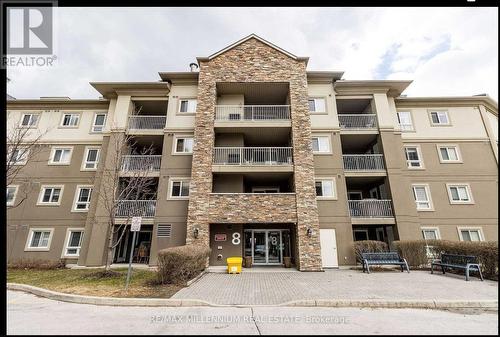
<point x="266" y="246"/>
<point x="273" y="247"/>
<point x="259" y="247"/>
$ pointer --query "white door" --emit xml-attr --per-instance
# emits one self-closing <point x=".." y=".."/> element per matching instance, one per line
<point x="328" y="248"/>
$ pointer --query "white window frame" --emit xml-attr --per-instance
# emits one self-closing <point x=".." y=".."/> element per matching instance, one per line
<point x="420" y="157"/>
<point x="434" y="229"/>
<point x="171" y="182"/>
<point x="354" y="231"/>
<point x="188" y="100"/>
<point x="405" y="127"/>
<point x="85" y="155"/>
<point x="53" y="152"/>
<point x="467" y="189"/>
<point x="334" y="188"/>
<point x="255" y="189"/>
<point x="31" y="118"/>
<point x="64" y="253"/>
<point x="429" y="197"/>
<point x="329" y="143"/>
<point x="468" y="228"/>
<point x="445" y="112"/>
<point x="447" y="146"/>
<point x="16" y="188"/>
<point x="317" y="112"/>
<point x="92" y="129"/>
<point x="42" y="192"/>
<point x="77" y="194"/>
<point x="28" y="247"/>
<point x="174" y="147"/>
<point x="79" y="116"/>
<point x="19" y="148"/>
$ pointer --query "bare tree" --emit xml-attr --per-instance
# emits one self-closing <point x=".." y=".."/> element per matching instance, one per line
<point x="23" y="149"/>
<point x="123" y="197"/>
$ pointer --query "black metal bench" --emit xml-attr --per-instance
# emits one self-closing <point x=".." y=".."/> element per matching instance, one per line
<point x="463" y="262"/>
<point x="386" y="258"/>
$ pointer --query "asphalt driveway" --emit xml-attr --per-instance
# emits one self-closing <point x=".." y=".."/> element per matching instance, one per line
<point x="257" y="288"/>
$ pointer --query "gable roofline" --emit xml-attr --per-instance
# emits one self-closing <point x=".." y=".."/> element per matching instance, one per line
<point x="253" y="36"/>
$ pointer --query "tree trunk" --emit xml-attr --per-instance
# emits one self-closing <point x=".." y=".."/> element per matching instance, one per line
<point x="109" y="257"/>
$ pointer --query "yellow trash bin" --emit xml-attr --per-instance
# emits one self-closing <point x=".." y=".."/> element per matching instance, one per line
<point x="234" y="265"/>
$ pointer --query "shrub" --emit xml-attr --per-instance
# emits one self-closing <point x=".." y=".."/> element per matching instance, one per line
<point x="180" y="264"/>
<point x="36" y="264"/>
<point x="415" y="253"/>
<point x="369" y="246"/>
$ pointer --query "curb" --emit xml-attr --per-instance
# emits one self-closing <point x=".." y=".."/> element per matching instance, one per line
<point x="171" y="302"/>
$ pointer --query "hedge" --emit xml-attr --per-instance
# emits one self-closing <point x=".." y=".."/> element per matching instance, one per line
<point x="416" y="256"/>
<point x="178" y="265"/>
<point x="368" y="246"/>
<point x="36" y="264"/>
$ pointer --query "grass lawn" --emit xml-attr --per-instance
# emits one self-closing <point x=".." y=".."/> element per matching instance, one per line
<point x="87" y="282"/>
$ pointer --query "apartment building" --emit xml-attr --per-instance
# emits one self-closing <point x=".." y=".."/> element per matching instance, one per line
<point x="254" y="155"/>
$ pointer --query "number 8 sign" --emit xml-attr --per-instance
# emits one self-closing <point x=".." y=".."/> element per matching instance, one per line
<point x="236" y="238"/>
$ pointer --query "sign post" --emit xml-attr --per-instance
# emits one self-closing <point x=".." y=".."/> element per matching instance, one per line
<point x="134" y="227"/>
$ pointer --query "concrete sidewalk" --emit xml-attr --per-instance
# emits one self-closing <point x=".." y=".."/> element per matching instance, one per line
<point x="269" y="288"/>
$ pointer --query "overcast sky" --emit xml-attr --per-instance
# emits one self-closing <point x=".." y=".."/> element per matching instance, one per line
<point x="445" y="51"/>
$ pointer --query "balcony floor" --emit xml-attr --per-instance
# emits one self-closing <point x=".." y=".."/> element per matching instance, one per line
<point x="252" y="168"/>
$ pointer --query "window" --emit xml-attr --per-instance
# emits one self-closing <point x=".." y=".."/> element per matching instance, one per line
<point x="73" y="242"/>
<point x="99" y="122"/>
<point x="50" y="195"/>
<point x="439" y="118"/>
<point x="321" y="144"/>
<point x="82" y="198"/>
<point x="265" y="189"/>
<point x="18" y="156"/>
<point x="470" y="234"/>
<point x="449" y="154"/>
<point x="29" y="120"/>
<point x="459" y="194"/>
<point x="70" y="120"/>
<point x="421" y="194"/>
<point x="317" y="105"/>
<point x="179" y="189"/>
<point x="325" y="188"/>
<point x="413" y="157"/>
<point x="187" y="105"/>
<point x="405" y="121"/>
<point x="60" y="156"/>
<point x="360" y="234"/>
<point x="430" y="233"/>
<point x="91" y="158"/>
<point x="184" y="145"/>
<point x="11" y="195"/>
<point x="39" y="239"/>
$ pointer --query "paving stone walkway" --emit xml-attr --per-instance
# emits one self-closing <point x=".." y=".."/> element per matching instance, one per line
<point x="255" y="288"/>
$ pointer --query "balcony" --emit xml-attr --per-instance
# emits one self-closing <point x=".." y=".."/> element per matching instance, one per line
<point x="134" y="163"/>
<point x="147" y="122"/>
<point x="242" y="158"/>
<point x="362" y="164"/>
<point x="252" y="208"/>
<point x="353" y="122"/>
<point x="252" y="115"/>
<point x="130" y="208"/>
<point x="370" y="208"/>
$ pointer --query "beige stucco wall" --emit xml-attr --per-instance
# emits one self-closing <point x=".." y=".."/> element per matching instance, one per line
<point x="174" y="119"/>
<point x="329" y="118"/>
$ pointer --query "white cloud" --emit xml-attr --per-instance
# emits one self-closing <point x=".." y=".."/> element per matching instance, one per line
<point x="446" y="51"/>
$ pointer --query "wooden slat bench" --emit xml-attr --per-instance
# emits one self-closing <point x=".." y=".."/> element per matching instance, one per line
<point x="386" y="258"/>
<point x="463" y="262"/>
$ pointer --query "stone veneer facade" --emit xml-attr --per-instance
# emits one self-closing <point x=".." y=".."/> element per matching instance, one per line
<point x="254" y="61"/>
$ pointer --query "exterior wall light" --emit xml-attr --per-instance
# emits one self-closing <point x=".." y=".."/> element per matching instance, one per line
<point x="196" y="231"/>
<point x="309" y="232"/>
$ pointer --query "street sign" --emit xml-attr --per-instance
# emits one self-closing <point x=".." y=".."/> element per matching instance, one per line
<point x="136" y="224"/>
